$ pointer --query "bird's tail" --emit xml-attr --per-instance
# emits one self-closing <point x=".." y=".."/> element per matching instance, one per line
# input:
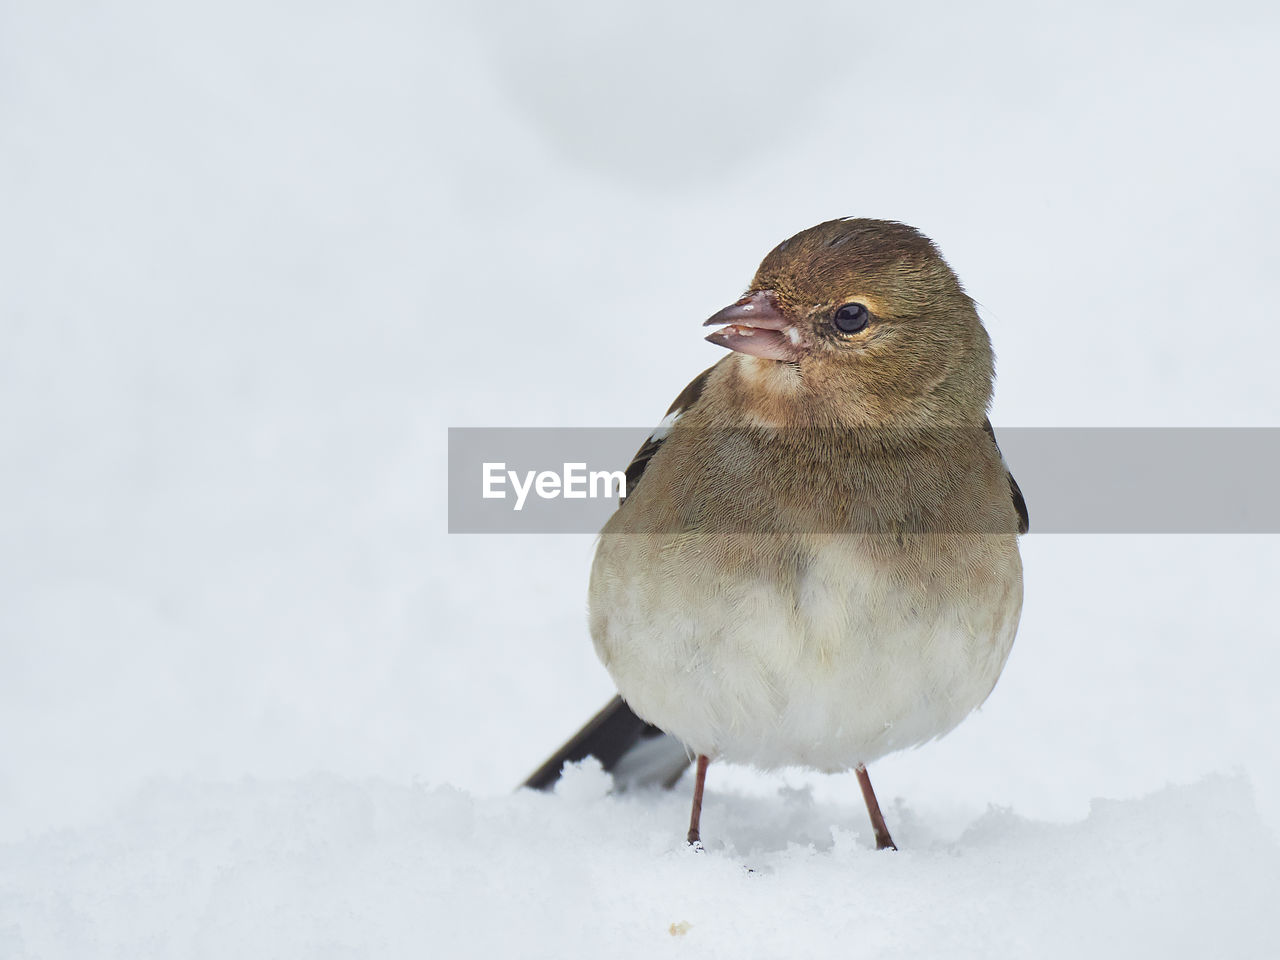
<point x="636" y="753"/>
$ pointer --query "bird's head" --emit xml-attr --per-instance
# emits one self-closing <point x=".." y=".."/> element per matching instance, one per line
<point x="860" y="322"/>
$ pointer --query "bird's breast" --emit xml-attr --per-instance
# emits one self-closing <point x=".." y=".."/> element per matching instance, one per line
<point x="826" y="650"/>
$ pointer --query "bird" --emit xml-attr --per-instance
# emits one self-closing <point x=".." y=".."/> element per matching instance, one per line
<point x="816" y="559"/>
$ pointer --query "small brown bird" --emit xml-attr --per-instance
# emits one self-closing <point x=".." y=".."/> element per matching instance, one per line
<point x="816" y="562"/>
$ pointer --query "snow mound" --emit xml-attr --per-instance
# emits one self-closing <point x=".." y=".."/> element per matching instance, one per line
<point x="328" y="867"/>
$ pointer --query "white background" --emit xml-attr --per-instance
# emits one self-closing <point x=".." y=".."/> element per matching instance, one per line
<point x="255" y="260"/>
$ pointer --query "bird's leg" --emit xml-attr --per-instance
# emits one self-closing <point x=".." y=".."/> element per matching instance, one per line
<point x="883" y="840"/>
<point x="696" y="815"/>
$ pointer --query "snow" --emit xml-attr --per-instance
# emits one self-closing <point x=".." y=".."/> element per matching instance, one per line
<point x="258" y="259"/>
<point x="334" y="867"/>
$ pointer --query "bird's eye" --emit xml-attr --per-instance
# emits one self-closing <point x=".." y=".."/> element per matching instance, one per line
<point x="850" y="318"/>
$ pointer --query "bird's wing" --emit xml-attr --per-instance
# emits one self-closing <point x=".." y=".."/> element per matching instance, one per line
<point x="1019" y="502"/>
<point x="687" y="398"/>
<point x="635" y="752"/>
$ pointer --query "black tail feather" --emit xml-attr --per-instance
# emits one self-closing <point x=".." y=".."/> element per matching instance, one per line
<point x="637" y="753"/>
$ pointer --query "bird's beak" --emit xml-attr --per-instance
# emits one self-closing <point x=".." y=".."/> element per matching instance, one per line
<point x="756" y="325"/>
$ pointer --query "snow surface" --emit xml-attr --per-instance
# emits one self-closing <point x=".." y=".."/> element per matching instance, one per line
<point x="257" y="258"/>
<point x="330" y="867"/>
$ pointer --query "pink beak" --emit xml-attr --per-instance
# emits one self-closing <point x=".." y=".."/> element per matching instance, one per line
<point x="756" y="326"/>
